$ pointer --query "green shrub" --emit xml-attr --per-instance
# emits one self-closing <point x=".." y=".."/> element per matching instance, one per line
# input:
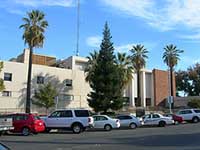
<point x="194" y="103"/>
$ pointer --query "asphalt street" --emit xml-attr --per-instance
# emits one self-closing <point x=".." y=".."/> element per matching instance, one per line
<point x="176" y="137"/>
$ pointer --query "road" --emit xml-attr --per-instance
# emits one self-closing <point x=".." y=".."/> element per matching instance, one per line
<point x="179" y="137"/>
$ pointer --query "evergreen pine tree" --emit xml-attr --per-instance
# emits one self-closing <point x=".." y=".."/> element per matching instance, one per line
<point x="105" y="82"/>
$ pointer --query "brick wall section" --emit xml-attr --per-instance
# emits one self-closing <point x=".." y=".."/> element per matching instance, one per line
<point x="161" y="86"/>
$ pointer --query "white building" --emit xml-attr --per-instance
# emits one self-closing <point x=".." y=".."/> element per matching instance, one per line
<point x="69" y="79"/>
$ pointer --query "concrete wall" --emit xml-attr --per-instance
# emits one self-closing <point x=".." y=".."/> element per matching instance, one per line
<point x="57" y="76"/>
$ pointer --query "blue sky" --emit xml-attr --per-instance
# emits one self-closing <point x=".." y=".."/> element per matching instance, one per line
<point x="154" y="23"/>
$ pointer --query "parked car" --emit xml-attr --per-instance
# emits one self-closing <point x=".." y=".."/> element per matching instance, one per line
<point x="4" y="147"/>
<point x="76" y="120"/>
<point x="105" y="122"/>
<point x="27" y="123"/>
<point x="129" y="121"/>
<point x="155" y="119"/>
<point x="6" y="124"/>
<point x="190" y="115"/>
<point x="176" y="118"/>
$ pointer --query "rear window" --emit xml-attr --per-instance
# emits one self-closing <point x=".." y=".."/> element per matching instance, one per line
<point x="197" y="110"/>
<point x="81" y="113"/>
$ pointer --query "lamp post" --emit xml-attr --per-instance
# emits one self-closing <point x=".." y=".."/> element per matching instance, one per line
<point x="170" y="97"/>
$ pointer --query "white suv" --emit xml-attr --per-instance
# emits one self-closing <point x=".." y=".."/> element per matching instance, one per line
<point x="76" y="120"/>
<point x="190" y="115"/>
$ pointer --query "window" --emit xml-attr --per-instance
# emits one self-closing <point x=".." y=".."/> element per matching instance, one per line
<point x="124" y="117"/>
<point x="37" y="118"/>
<point x="156" y="116"/>
<point x="147" y="116"/>
<point x="67" y="97"/>
<point x="40" y="80"/>
<point x="120" y="117"/>
<point x="8" y="76"/>
<point x="67" y="113"/>
<point x="20" y="117"/>
<point x="55" y="114"/>
<point x="185" y="112"/>
<point x="68" y="82"/>
<point x="100" y="118"/>
<point x="197" y="110"/>
<point x="81" y="113"/>
<point x="188" y="112"/>
<point x="127" y="117"/>
<point x="7" y="93"/>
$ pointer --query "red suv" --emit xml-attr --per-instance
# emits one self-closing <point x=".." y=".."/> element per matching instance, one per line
<point x="27" y="123"/>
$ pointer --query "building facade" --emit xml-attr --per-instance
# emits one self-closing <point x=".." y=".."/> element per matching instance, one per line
<point x="68" y="77"/>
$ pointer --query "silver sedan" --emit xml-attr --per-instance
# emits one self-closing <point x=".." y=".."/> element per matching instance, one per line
<point x="129" y="121"/>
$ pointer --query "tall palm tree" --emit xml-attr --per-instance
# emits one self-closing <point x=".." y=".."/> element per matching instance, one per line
<point x="170" y="57"/>
<point x="138" y="57"/>
<point x="124" y="64"/>
<point x="91" y="64"/>
<point x="34" y="27"/>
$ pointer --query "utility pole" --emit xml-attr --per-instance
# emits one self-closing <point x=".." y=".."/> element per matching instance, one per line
<point x="78" y="27"/>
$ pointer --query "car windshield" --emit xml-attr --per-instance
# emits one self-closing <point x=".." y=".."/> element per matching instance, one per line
<point x="36" y="117"/>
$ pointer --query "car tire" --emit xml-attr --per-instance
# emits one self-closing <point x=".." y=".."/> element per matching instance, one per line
<point x="132" y="126"/>
<point x="47" y="130"/>
<point x="176" y="122"/>
<point x="108" y="127"/>
<point x="162" y="124"/>
<point x="25" y="131"/>
<point x="77" y="128"/>
<point x="195" y="119"/>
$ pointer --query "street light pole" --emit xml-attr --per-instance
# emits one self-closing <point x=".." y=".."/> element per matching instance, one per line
<point x="169" y="99"/>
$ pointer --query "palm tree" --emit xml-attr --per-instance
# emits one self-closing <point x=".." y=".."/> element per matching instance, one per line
<point x="138" y="57"/>
<point x="171" y="57"/>
<point x="34" y="27"/>
<point x="91" y="64"/>
<point x="124" y="64"/>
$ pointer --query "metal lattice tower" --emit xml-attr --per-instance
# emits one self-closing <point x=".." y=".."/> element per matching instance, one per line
<point x="78" y="27"/>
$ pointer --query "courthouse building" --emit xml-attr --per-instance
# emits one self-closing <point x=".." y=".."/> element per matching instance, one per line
<point x="69" y="78"/>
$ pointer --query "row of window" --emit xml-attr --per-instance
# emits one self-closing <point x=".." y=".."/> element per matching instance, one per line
<point x="40" y="79"/>
<point x="63" y="96"/>
<point x="68" y="113"/>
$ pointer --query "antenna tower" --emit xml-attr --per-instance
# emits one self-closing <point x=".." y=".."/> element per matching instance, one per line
<point x="78" y="27"/>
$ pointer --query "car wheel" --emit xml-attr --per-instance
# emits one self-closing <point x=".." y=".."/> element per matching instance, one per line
<point x="77" y="128"/>
<point x="25" y="131"/>
<point x="132" y="126"/>
<point x="161" y="124"/>
<point x="47" y="130"/>
<point x="108" y="127"/>
<point x="176" y="122"/>
<point x="195" y="120"/>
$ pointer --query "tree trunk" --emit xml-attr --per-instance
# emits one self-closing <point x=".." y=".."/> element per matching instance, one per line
<point x="138" y="89"/>
<point x="47" y="111"/>
<point x="28" y="92"/>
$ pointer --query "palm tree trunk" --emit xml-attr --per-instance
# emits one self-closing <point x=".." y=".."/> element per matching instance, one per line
<point x="138" y="89"/>
<point x="28" y="96"/>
